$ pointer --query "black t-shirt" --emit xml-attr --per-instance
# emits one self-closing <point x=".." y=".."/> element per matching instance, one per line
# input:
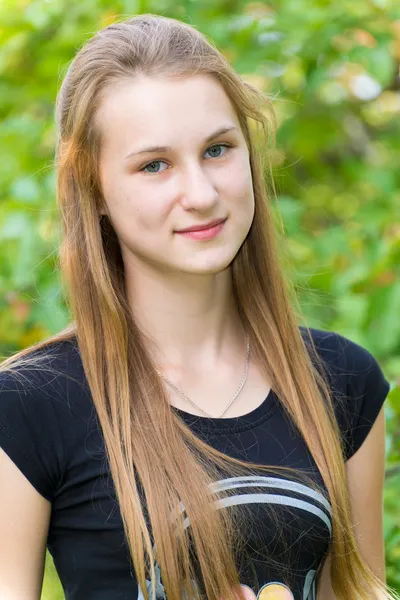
<point x="49" y="428"/>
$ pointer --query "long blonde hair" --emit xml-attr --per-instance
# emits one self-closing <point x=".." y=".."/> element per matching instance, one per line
<point x="143" y="437"/>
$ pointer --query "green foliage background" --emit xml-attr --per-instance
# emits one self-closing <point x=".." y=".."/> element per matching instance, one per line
<point x="332" y="70"/>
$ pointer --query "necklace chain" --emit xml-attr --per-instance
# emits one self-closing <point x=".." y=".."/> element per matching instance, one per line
<point x="246" y="369"/>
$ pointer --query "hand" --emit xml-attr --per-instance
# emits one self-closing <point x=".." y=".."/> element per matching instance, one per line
<point x="271" y="591"/>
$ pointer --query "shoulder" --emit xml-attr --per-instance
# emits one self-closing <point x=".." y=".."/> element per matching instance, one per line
<point x="345" y="359"/>
<point x="35" y="409"/>
<point x="358" y="384"/>
<point x="41" y="373"/>
<point x="44" y="389"/>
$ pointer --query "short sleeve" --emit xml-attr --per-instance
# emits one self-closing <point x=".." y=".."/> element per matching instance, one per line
<point x="365" y="391"/>
<point x="29" y="430"/>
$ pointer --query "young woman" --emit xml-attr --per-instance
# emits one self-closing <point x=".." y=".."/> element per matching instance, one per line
<point x="184" y="436"/>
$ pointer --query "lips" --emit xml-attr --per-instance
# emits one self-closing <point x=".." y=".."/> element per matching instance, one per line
<point x="202" y="227"/>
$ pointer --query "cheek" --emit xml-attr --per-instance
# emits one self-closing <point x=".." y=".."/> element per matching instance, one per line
<point x="139" y="226"/>
<point x="238" y="184"/>
<point x="133" y="211"/>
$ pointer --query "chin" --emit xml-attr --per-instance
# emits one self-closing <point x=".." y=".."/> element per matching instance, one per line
<point x="207" y="265"/>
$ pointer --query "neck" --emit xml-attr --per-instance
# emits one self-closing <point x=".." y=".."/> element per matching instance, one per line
<point x="189" y="320"/>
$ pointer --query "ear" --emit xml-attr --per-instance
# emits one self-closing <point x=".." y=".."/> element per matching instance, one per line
<point x="101" y="205"/>
<point x="103" y="211"/>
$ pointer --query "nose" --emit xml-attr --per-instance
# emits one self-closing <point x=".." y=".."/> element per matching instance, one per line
<point x="198" y="190"/>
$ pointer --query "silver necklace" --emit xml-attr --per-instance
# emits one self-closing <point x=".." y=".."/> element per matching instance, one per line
<point x="246" y="369"/>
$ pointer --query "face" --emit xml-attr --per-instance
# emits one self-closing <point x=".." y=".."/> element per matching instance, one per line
<point x="173" y="157"/>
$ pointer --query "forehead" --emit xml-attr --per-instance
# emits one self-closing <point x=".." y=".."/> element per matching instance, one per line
<point x="163" y="110"/>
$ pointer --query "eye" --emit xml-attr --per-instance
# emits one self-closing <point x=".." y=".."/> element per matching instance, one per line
<point x="152" y="164"/>
<point x="216" y="147"/>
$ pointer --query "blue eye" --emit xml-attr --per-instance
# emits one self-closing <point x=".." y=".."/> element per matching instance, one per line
<point x="154" y="162"/>
<point x="215" y="147"/>
<point x="157" y="162"/>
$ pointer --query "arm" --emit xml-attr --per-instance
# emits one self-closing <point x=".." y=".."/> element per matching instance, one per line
<point x="24" y="522"/>
<point x="365" y="477"/>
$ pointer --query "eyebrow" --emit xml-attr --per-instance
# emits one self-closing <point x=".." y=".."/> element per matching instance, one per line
<point x="211" y="137"/>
